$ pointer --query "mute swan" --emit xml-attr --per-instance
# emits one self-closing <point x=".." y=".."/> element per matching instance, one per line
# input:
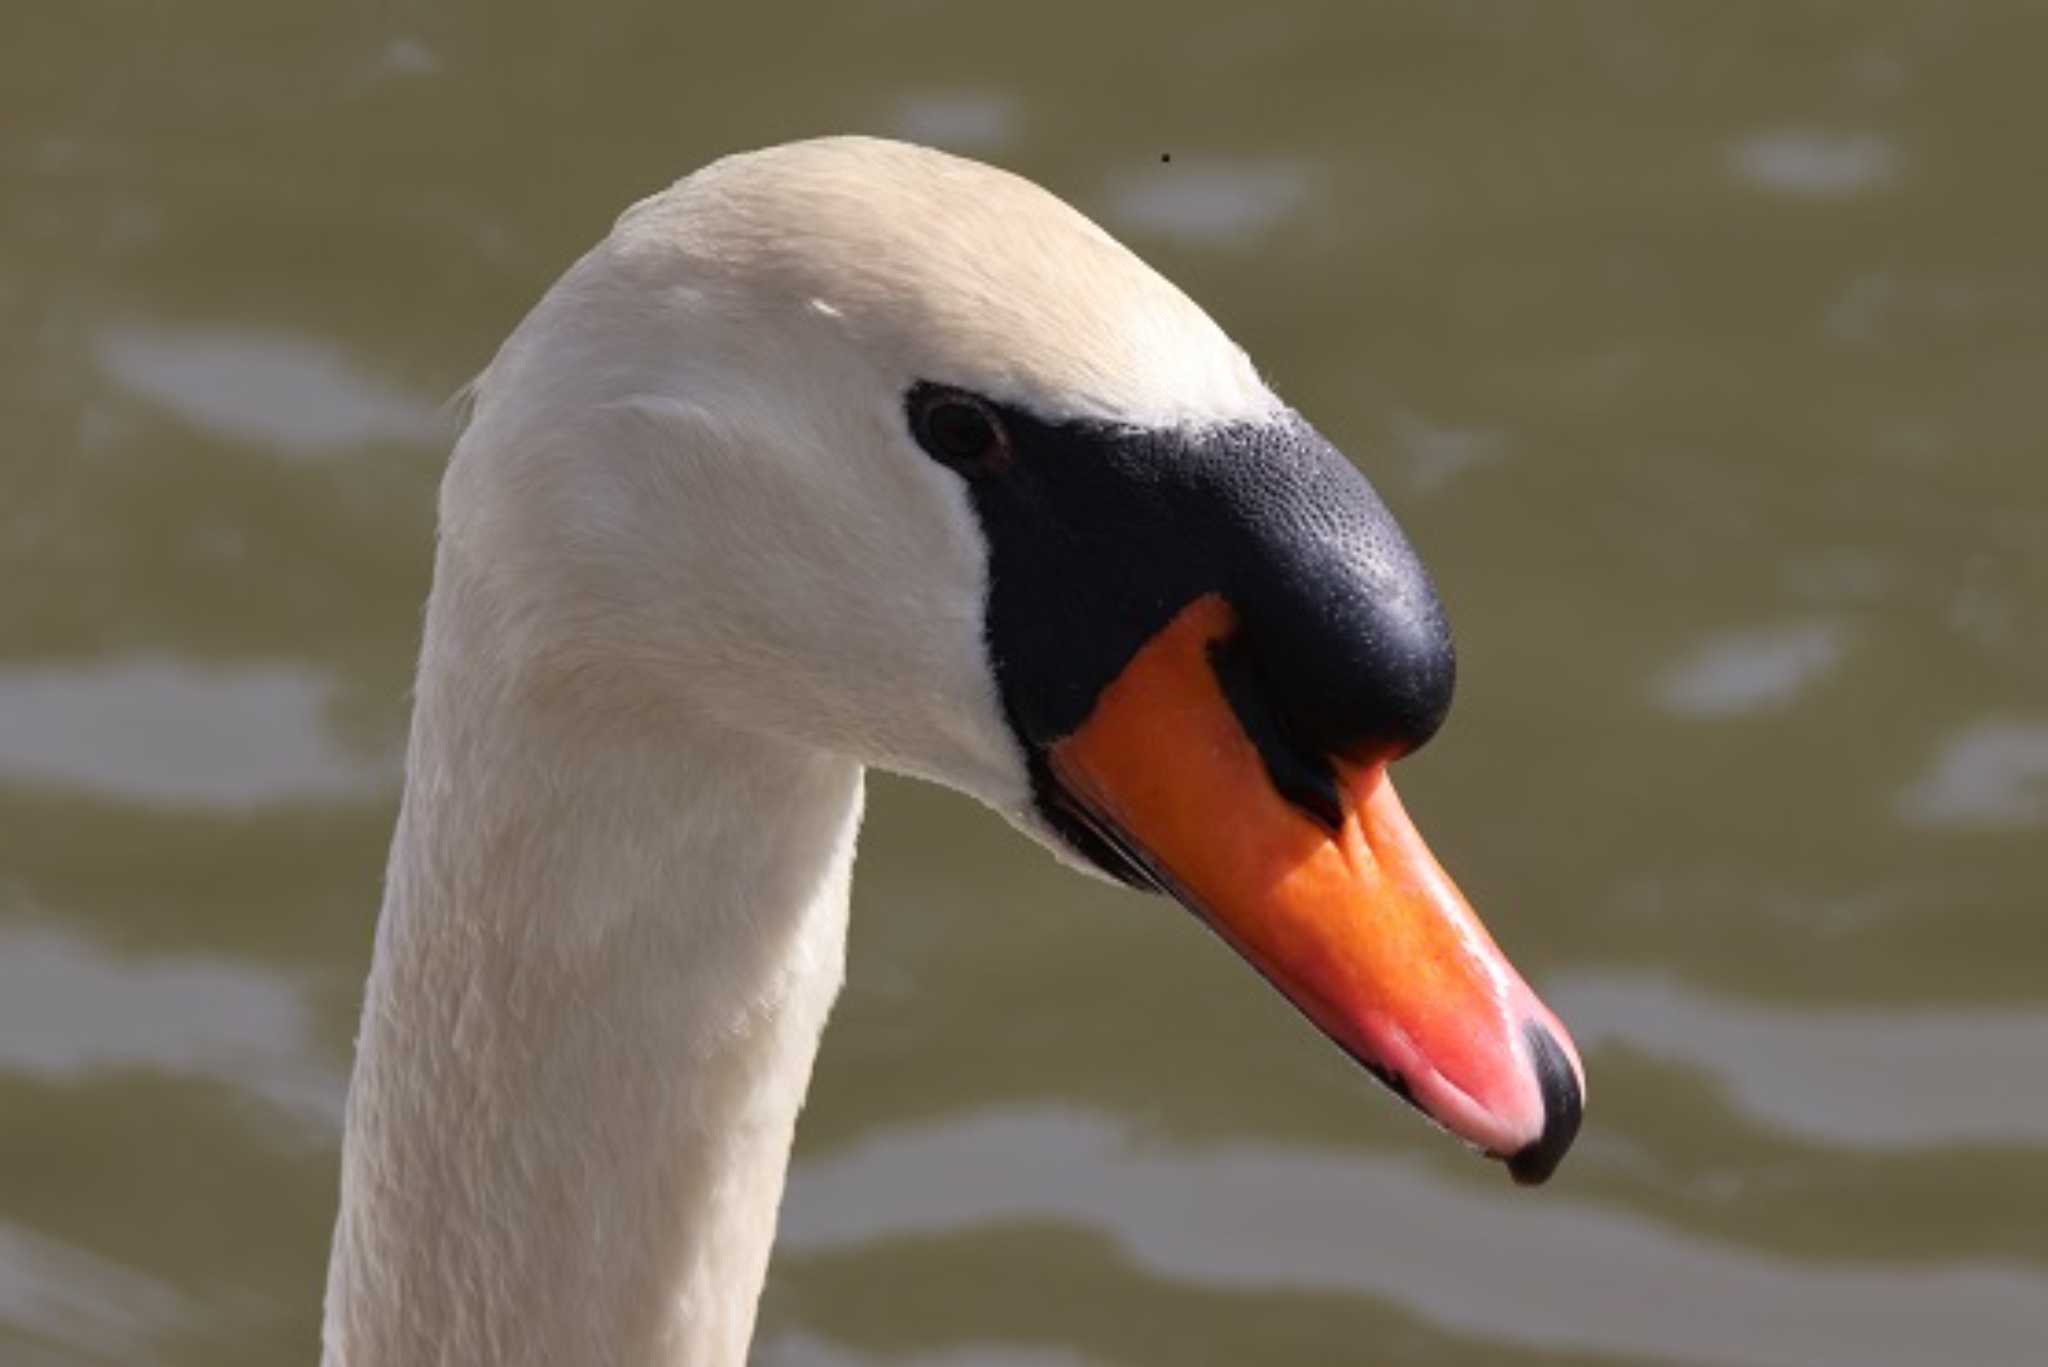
<point x="839" y="454"/>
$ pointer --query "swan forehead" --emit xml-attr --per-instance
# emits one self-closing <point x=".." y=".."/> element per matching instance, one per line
<point x="943" y="269"/>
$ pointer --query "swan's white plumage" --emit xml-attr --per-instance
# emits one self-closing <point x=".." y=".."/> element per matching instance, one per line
<point x="692" y="576"/>
<point x="950" y="271"/>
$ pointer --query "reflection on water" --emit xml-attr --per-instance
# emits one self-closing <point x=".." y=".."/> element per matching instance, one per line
<point x="971" y="122"/>
<point x="1435" y="455"/>
<point x="55" y="1296"/>
<point x="163" y="731"/>
<point x="272" y="389"/>
<point x="68" y="1009"/>
<point x="1806" y="161"/>
<point x="1750" y="670"/>
<point x="1206" y="201"/>
<point x="807" y="1350"/>
<point x="1701" y="357"/>
<point x="406" y="57"/>
<point x="1992" y="774"/>
<point x="1834" y="1076"/>
<point x="1540" y="1271"/>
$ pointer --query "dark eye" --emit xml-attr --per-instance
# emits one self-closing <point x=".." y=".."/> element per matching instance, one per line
<point x="959" y="430"/>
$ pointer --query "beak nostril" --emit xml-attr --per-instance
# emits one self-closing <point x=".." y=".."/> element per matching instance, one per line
<point x="1563" y="1107"/>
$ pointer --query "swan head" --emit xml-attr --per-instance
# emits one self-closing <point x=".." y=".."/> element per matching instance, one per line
<point x="885" y="452"/>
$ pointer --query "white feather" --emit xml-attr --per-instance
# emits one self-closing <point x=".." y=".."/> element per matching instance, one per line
<point x="693" y="576"/>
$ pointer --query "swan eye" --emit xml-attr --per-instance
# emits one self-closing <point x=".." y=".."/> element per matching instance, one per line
<point x="959" y="430"/>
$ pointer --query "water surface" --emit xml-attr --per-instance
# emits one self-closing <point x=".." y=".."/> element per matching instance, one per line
<point x="1700" y="350"/>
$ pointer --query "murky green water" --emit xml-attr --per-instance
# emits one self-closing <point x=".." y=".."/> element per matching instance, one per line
<point x="1703" y="350"/>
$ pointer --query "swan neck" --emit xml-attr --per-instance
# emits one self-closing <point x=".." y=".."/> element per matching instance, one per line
<point x="604" y="960"/>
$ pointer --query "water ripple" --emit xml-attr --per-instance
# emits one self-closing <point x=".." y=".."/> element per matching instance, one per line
<point x="1522" y="1268"/>
<point x="164" y="731"/>
<point x="793" y="1348"/>
<point x="299" y="394"/>
<point x="1992" y="775"/>
<point x="1751" y="671"/>
<point x="1813" y="163"/>
<point x="962" y="121"/>
<point x="65" y="1295"/>
<point x="1215" y="203"/>
<point x="1852" y="1078"/>
<point x="68" y="1009"/>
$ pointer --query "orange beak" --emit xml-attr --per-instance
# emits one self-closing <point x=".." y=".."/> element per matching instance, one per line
<point x="1358" y="926"/>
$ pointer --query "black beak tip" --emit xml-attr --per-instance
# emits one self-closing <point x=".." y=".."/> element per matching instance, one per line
<point x="1563" y="1108"/>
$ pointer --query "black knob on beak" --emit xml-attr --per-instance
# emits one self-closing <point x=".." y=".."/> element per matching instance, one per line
<point x="1563" y="1104"/>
